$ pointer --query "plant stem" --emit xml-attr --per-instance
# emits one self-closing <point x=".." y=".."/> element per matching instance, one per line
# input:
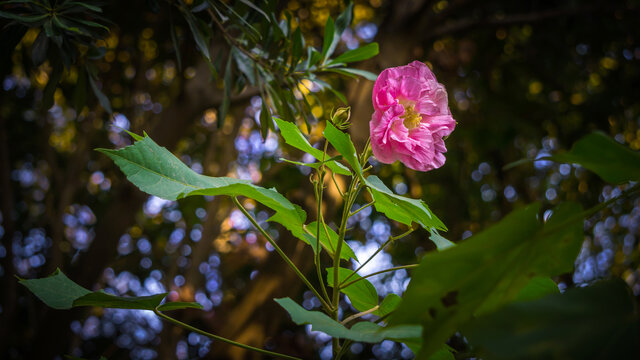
<point x="360" y="314"/>
<point x="319" y="192"/>
<point x="362" y="208"/>
<point x="410" y="266"/>
<point x="335" y="182"/>
<point x="281" y="253"/>
<point x="389" y="240"/>
<point x="220" y="338"/>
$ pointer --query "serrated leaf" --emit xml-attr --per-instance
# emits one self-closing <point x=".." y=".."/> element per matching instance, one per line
<point x="488" y="270"/>
<point x="594" y="322"/>
<point x="154" y="170"/>
<point x="346" y="252"/>
<point x="400" y="208"/>
<point x="102" y="299"/>
<point x="363" y="331"/>
<point x="362" y="53"/>
<point x="294" y="137"/>
<point x="56" y="290"/>
<point x="441" y="242"/>
<point x="599" y="153"/>
<point x="342" y="142"/>
<point x="362" y="294"/>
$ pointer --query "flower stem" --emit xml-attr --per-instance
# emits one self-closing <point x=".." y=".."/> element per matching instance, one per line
<point x="410" y="266"/>
<point x="220" y="338"/>
<point x="281" y="253"/>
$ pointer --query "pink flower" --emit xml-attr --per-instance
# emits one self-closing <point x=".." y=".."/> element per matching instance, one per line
<point x="411" y="117"/>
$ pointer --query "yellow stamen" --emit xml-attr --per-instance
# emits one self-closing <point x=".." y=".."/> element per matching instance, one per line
<point x="411" y="117"/>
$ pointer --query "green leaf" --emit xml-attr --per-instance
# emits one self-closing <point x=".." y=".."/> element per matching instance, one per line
<point x="363" y="331"/>
<point x="265" y="119"/>
<point x="330" y="39"/>
<point x="388" y="305"/>
<point x="39" y="49"/>
<point x="294" y="137"/>
<point x="154" y="170"/>
<point x="362" y="53"/>
<point x="346" y="252"/>
<point x="402" y="209"/>
<point x="201" y="42"/>
<point x="57" y="290"/>
<point x="538" y="287"/>
<point x="488" y="270"/>
<point x="256" y="8"/>
<point x="179" y="305"/>
<point x="226" y="94"/>
<point x="102" y="299"/>
<point x="344" y="19"/>
<point x="52" y="84"/>
<point x="601" y="154"/>
<point x="440" y="241"/>
<point x="102" y="98"/>
<point x="24" y="19"/>
<point x="362" y="294"/>
<point x="350" y="72"/>
<point x="297" y="43"/>
<point x="342" y="142"/>
<point x="594" y="322"/>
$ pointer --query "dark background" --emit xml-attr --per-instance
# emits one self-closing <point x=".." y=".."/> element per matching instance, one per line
<point x="525" y="79"/>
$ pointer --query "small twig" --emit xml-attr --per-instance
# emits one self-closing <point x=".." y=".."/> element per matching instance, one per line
<point x="360" y="314"/>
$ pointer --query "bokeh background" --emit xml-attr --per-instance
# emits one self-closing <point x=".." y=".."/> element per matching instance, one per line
<point x="525" y="79"/>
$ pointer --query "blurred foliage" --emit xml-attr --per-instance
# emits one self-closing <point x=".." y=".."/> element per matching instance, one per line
<point x="524" y="79"/>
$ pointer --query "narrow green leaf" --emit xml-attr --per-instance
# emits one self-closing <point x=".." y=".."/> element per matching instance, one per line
<point x="594" y="322"/>
<point x="256" y="8"/>
<point x="344" y="19"/>
<point x="39" y="49"/>
<point x="24" y="19"/>
<point x="342" y="142"/>
<point x="296" y="47"/>
<point x="102" y="98"/>
<point x="245" y="65"/>
<point x="362" y="294"/>
<point x="179" y="305"/>
<point x="174" y="40"/>
<point x="56" y="290"/>
<point x="199" y="38"/>
<point x="601" y="154"/>
<point x="226" y="94"/>
<point x="353" y="72"/>
<point x="402" y="209"/>
<point x="488" y="270"/>
<point x="362" y="53"/>
<point x="294" y="137"/>
<point x="363" y="331"/>
<point x="52" y="84"/>
<point x="265" y="119"/>
<point x="330" y="39"/>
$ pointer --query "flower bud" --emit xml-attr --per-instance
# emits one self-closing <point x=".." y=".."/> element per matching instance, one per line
<point x="340" y="117"/>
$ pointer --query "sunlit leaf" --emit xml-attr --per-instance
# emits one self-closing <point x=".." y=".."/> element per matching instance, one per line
<point x="400" y="208"/>
<point x="329" y="244"/>
<point x="363" y="331"/>
<point x="362" y="53"/>
<point x="342" y="142"/>
<point x="294" y="137"/>
<point x="154" y="170"/>
<point x="362" y="294"/>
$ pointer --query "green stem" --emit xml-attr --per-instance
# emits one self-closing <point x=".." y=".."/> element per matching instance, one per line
<point x="411" y="266"/>
<point x="319" y="192"/>
<point x="281" y="253"/>
<point x="389" y="240"/>
<point x="362" y="208"/>
<point x="220" y="338"/>
<point x="360" y="314"/>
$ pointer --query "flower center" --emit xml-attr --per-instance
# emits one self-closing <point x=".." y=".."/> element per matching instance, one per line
<point x="411" y="117"/>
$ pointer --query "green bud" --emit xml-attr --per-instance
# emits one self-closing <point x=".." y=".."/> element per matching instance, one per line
<point x="340" y="117"/>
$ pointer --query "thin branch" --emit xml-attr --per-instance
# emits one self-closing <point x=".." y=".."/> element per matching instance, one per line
<point x="360" y="314"/>
<point x="411" y="266"/>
